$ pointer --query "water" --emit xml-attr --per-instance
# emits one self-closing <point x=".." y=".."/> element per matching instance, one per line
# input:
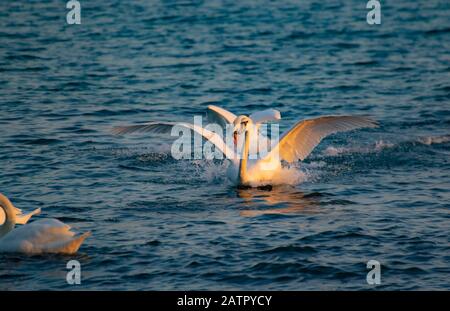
<point x="158" y="223"/>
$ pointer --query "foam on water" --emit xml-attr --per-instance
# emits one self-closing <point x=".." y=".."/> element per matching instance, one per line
<point x="286" y="176"/>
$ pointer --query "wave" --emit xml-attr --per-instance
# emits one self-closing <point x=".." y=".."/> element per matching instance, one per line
<point x="381" y="145"/>
<point x="314" y="169"/>
<point x="376" y="147"/>
<point x="431" y="140"/>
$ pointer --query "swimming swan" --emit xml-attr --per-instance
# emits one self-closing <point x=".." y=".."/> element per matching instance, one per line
<point x="295" y="144"/>
<point x="38" y="237"/>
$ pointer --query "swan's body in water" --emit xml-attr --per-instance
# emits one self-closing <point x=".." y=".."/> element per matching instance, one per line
<point x="295" y="144"/>
<point x="38" y="237"/>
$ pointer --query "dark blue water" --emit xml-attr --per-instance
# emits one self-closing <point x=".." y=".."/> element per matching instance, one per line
<point x="158" y="223"/>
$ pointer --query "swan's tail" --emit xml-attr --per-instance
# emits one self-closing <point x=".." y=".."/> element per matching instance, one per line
<point x="71" y="246"/>
<point x="75" y="244"/>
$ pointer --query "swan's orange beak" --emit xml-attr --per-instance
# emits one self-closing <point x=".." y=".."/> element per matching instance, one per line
<point x="235" y="138"/>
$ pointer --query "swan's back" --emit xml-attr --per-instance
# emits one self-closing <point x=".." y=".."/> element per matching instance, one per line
<point x="42" y="236"/>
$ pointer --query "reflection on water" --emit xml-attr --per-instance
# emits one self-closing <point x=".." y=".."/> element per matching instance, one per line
<point x="277" y="200"/>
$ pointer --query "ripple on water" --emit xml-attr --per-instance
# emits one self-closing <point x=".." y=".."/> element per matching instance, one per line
<point x="159" y="223"/>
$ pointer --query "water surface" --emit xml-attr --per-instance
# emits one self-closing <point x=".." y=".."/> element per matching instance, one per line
<point x="159" y="223"/>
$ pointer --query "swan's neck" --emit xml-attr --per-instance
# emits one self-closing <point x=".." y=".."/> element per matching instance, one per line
<point x="243" y="176"/>
<point x="10" y="216"/>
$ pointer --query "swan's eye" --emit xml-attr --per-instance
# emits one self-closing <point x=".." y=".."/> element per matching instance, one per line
<point x="244" y="123"/>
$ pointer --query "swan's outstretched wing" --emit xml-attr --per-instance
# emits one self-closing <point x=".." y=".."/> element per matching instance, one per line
<point x="220" y="116"/>
<point x="166" y="127"/>
<point x="265" y="116"/>
<point x="298" y="142"/>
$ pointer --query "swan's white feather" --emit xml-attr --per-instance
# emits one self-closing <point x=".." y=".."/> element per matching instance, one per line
<point x="265" y="116"/>
<point x="42" y="236"/>
<point x="298" y="142"/>
<point x="220" y="116"/>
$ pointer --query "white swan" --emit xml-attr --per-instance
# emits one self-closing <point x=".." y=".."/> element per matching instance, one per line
<point x="295" y="144"/>
<point x="38" y="237"/>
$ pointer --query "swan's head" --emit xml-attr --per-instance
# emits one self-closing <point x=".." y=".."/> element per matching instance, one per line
<point x="241" y="124"/>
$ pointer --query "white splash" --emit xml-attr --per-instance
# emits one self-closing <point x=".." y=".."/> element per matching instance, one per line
<point x="378" y="146"/>
<point x="430" y="140"/>
<point x="334" y="151"/>
<point x="293" y="175"/>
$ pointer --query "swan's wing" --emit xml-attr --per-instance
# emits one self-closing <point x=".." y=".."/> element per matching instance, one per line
<point x="22" y="219"/>
<point x="220" y="116"/>
<point x="37" y="233"/>
<point x="42" y="236"/>
<point x="42" y="232"/>
<point x="166" y="127"/>
<point x="265" y="116"/>
<point x="66" y="247"/>
<point x="298" y="142"/>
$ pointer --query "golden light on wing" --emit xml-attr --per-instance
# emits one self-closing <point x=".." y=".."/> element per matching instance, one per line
<point x="298" y="142"/>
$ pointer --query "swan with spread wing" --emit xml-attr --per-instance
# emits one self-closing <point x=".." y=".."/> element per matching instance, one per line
<point x="295" y="144"/>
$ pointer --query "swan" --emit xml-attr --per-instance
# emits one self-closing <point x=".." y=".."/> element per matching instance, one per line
<point x="294" y="145"/>
<point x="38" y="237"/>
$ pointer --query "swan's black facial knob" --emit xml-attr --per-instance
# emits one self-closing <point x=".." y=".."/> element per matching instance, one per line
<point x="244" y="125"/>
